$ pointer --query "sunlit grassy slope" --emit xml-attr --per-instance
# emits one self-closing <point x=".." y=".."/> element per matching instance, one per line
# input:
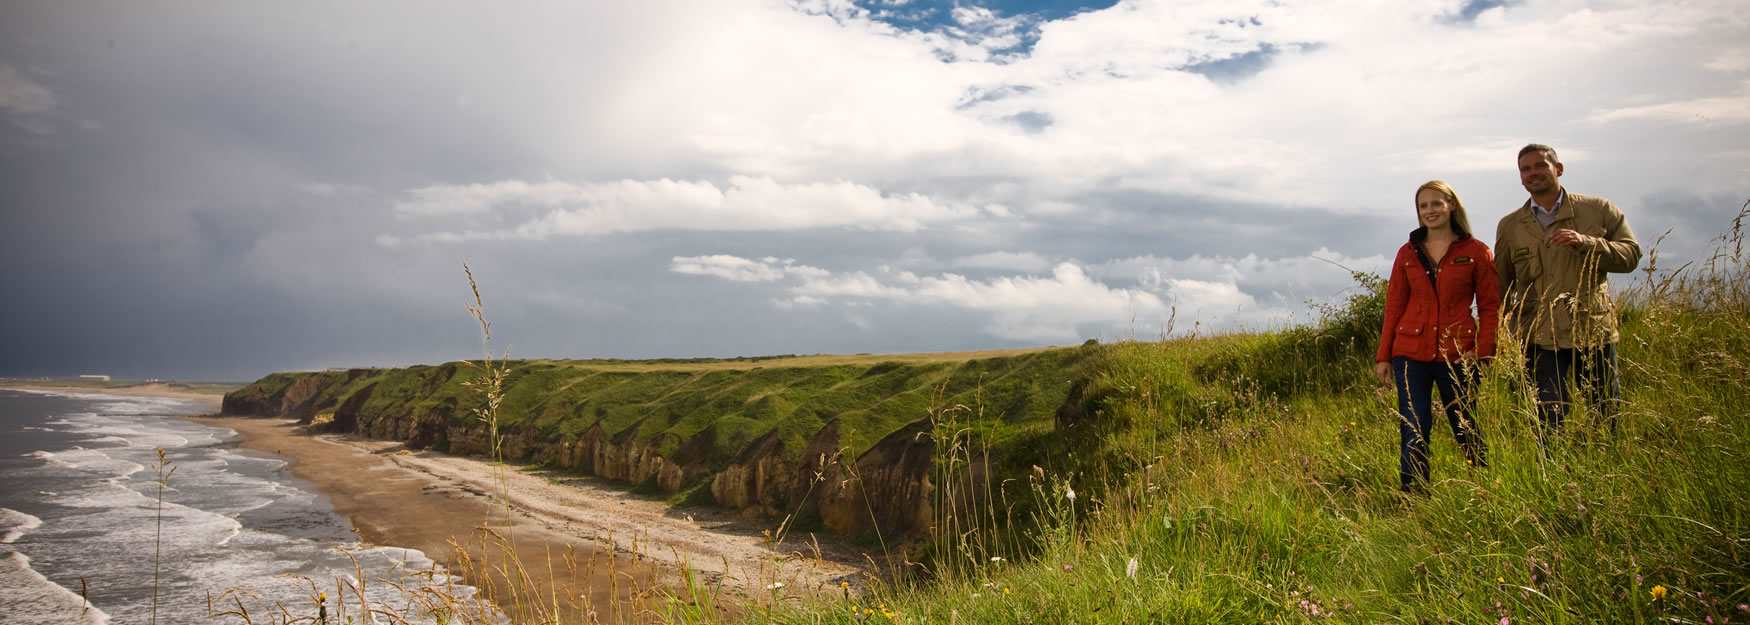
<point x="1238" y="479"/>
<point x="1253" y="478"/>
<point x="712" y="407"/>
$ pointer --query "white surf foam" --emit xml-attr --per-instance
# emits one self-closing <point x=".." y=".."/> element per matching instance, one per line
<point x="14" y="524"/>
<point x="209" y="525"/>
<point x="31" y="598"/>
<point x="90" y="461"/>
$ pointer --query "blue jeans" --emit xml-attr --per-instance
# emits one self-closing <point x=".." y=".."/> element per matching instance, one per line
<point x="1416" y="381"/>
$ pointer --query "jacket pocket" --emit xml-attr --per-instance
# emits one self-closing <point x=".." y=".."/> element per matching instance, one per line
<point x="1526" y="265"/>
<point x="1459" y="338"/>
<point x="1409" y="341"/>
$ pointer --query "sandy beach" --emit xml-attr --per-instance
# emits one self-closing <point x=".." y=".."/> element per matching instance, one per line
<point x="587" y="544"/>
<point x="430" y="501"/>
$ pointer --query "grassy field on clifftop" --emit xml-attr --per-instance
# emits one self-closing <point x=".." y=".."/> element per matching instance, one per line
<point x="1231" y="479"/>
<point x="1253" y="479"/>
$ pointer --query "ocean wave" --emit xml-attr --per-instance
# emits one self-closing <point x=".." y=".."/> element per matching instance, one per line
<point x="31" y="598"/>
<point x="90" y="461"/>
<point x="13" y="524"/>
<point x="229" y="521"/>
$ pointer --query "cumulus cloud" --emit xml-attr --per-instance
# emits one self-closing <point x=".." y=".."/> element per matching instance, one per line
<point x="1064" y="306"/>
<point x="726" y="267"/>
<point x="1255" y="292"/>
<point x="1323" y="270"/>
<point x="744" y="204"/>
<point x="1073" y="301"/>
<point x="478" y="198"/>
<point x="1155" y="142"/>
<point x="1028" y="262"/>
<point x="1733" y="60"/>
<point x="1722" y="109"/>
<point x="21" y="95"/>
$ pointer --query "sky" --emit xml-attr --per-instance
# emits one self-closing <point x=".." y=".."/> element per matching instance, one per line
<point x="220" y="190"/>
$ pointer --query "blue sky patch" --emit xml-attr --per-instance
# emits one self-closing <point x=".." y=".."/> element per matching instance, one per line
<point x="938" y="15"/>
<point x="1473" y="8"/>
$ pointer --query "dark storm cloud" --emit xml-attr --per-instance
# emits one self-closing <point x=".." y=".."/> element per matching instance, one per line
<point x="201" y="193"/>
<point x="202" y="196"/>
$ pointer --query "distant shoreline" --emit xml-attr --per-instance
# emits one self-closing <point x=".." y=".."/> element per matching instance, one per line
<point x="150" y="389"/>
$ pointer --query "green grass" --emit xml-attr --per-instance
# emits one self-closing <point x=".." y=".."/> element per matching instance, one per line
<point x="698" y="413"/>
<point x="1253" y="479"/>
<point x="1230" y="479"/>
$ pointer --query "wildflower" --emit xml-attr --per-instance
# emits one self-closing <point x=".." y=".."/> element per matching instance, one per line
<point x="996" y="559"/>
<point x="844" y="585"/>
<point x="1658" y="592"/>
<point x="1506" y="621"/>
<point x="322" y="597"/>
<point x="1070" y="493"/>
<point x="1130" y="569"/>
<point x="774" y="586"/>
<point x="1006" y="590"/>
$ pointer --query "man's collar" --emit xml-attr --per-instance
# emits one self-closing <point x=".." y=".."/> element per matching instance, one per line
<point x="1561" y="197"/>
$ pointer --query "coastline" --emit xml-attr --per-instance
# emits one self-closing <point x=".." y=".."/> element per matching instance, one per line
<point x="154" y="389"/>
<point x="608" y="550"/>
<point x="588" y="545"/>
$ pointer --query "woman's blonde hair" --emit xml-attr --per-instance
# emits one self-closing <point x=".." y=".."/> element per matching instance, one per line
<point x="1460" y="223"/>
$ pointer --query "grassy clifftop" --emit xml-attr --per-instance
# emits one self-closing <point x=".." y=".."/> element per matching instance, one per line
<point x="1253" y="479"/>
<point x="670" y="403"/>
<point x="782" y="435"/>
<point x="1232" y="479"/>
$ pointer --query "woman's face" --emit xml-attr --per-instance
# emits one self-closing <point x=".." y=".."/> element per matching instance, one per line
<point x="1433" y="209"/>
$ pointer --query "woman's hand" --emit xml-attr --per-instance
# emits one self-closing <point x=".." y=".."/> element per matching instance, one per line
<point x="1382" y="370"/>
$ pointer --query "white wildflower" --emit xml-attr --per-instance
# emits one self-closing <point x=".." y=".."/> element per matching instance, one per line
<point x="1130" y="569"/>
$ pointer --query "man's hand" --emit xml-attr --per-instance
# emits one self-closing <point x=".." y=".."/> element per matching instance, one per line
<point x="1567" y="238"/>
<point x="1382" y="370"/>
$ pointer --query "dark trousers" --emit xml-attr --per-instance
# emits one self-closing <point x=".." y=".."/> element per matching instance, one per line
<point x="1416" y="382"/>
<point x="1593" y="369"/>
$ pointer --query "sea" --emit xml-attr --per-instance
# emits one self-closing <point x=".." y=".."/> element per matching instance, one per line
<point x="85" y="537"/>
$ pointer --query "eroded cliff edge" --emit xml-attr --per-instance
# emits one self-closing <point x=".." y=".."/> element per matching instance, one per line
<point x="846" y="444"/>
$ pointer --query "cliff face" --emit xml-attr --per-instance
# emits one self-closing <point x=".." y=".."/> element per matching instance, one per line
<point x="849" y="446"/>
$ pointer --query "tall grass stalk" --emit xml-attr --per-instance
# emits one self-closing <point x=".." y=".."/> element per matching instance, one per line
<point x="489" y="385"/>
<point x="165" y="468"/>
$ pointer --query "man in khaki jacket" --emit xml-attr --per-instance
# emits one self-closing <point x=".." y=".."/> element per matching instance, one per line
<point x="1552" y="256"/>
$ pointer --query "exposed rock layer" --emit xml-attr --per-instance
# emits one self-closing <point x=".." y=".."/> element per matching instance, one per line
<point x="886" y="487"/>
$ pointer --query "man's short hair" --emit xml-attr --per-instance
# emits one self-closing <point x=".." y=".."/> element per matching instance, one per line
<point x="1539" y="147"/>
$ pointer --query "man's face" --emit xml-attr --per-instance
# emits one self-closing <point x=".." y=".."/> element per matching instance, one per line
<point x="1538" y="173"/>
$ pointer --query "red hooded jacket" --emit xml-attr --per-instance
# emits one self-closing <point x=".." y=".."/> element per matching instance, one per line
<point x="1425" y="325"/>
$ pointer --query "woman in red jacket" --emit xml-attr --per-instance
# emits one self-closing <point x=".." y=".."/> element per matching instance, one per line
<point x="1430" y="339"/>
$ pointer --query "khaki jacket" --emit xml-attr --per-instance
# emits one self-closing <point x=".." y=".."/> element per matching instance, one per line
<point x="1555" y="296"/>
